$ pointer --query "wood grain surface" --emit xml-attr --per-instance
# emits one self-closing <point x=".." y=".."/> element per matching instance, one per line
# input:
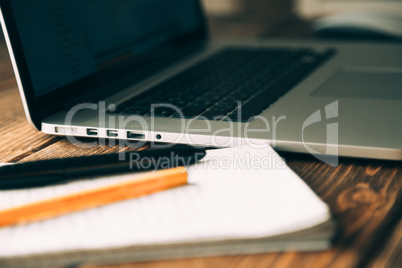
<point x="364" y="195"/>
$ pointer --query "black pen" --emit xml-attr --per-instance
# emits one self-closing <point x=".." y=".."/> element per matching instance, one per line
<point x="55" y="171"/>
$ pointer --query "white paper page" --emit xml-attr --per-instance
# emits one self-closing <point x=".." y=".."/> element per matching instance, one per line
<point x="233" y="193"/>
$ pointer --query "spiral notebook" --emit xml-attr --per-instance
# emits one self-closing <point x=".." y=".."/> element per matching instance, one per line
<point x="238" y="201"/>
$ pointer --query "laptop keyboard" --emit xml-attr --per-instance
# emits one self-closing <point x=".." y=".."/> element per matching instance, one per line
<point x="234" y="84"/>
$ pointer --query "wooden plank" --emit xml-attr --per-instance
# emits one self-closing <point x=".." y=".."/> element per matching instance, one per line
<point x="18" y="139"/>
<point x="391" y="252"/>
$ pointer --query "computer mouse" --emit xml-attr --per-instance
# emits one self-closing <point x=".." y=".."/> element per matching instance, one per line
<point x="360" y="24"/>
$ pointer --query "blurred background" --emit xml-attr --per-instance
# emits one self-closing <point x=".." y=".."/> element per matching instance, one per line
<point x="247" y="18"/>
<point x="286" y="18"/>
<point x="302" y="8"/>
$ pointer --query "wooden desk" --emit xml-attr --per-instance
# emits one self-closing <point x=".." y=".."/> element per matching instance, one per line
<point x="364" y="195"/>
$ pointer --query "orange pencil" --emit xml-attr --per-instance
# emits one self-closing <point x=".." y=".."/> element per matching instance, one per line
<point x="150" y="183"/>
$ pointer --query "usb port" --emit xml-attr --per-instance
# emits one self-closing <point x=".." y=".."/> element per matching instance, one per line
<point x="92" y="132"/>
<point x="134" y="135"/>
<point x="59" y="130"/>
<point x="112" y="133"/>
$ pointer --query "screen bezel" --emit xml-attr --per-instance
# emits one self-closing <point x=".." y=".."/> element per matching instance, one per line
<point x="39" y="107"/>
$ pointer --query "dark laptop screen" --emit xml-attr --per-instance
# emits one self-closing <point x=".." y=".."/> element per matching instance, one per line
<point x="65" y="41"/>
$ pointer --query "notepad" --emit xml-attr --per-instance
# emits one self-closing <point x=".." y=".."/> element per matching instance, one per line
<point x="238" y="201"/>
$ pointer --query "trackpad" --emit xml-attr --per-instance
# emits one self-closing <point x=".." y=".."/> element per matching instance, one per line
<point x="363" y="83"/>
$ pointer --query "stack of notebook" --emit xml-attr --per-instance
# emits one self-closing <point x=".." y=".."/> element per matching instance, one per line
<point x="238" y="201"/>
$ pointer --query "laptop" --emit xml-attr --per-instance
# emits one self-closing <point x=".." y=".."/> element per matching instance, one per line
<point x="140" y="71"/>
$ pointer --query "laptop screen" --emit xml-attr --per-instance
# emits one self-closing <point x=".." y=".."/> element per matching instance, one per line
<point x="66" y="41"/>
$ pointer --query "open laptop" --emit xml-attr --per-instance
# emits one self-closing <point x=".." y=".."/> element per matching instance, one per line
<point x="146" y="70"/>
